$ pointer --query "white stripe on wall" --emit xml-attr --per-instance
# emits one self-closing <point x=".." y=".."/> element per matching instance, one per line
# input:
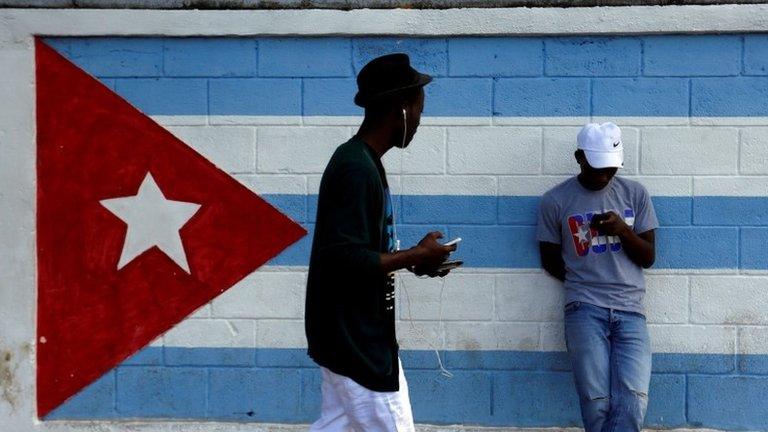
<point x="492" y="160"/>
<point x="486" y="310"/>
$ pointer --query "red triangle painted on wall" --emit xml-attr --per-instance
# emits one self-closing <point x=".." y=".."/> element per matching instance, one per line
<point x="91" y="146"/>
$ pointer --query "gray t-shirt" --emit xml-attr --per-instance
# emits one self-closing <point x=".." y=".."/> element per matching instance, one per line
<point x="597" y="270"/>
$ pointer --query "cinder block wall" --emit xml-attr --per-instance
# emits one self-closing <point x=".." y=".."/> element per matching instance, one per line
<point x="498" y="130"/>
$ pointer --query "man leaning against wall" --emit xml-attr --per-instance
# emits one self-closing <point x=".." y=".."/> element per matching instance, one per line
<point x="596" y="234"/>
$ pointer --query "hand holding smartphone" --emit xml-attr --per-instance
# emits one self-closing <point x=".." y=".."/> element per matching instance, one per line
<point x="443" y="268"/>
<point x="449" y="265"/>
<point x="597" y="220"/>
<point x="453" y="242"/>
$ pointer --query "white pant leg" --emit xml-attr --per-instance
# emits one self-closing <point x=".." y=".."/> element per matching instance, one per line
<point x="405" y="423"/>
<point x="371" y="411"/>
<point x="332" y="415"/>
<point x="363" y="410"/>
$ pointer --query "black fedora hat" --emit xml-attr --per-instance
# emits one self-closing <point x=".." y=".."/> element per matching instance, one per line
<point x="385" y="76"/>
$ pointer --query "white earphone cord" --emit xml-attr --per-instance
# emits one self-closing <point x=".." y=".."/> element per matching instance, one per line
<point x="419" y="334"/>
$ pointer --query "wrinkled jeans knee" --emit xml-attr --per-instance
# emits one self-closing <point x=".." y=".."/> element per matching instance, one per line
<point x="639" y="402"/>
<point x="595" y="412"/>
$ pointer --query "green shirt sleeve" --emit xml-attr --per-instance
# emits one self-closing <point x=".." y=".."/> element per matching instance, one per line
<point x="351" y="221"/>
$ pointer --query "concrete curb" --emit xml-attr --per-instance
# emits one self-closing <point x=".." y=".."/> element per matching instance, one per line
<point x="346" y="4"/>
<point x="269" y="427"/>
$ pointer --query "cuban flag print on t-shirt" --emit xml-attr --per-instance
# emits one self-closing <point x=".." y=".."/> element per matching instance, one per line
<point x="586" y="238"/>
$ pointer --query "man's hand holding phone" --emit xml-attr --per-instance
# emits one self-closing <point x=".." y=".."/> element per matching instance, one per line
<point x="609" y="223"/>
<point x="433" y="255"/>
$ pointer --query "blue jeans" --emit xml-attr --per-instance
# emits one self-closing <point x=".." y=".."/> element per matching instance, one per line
<point x="610" y="356"/>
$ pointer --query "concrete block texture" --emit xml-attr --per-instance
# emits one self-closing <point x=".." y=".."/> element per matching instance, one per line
<point x="690" y="151"/>
<point x="602" y="56"/>
<point x="280" y="147"/>
<point x="498" y="129"/>
<point x="233" y="149"/>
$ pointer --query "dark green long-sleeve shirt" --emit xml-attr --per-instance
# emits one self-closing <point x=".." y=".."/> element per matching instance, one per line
<point x="350" y="304"/>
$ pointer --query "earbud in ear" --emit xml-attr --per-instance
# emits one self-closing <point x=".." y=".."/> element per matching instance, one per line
<point x="405" y="128"/>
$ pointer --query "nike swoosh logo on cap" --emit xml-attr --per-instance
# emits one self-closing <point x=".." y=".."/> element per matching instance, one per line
<point x="617" y="143"/>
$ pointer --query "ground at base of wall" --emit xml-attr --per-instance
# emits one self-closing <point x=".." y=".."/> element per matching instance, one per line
<point x="264" y="427"/>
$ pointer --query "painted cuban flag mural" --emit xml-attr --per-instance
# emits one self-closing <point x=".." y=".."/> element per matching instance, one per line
<point x="196" y="333"/>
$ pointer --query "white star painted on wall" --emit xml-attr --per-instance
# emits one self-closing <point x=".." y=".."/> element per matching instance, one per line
<point x="152" y="221"/>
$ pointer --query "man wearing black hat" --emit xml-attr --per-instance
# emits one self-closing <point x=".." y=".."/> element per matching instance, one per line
<point x="350" y="304"/>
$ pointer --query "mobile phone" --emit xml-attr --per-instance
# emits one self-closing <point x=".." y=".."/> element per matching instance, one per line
<point x="453" y="242"/>
<point x="596" y="220"/>
<point x="599" y="217"/>
<point x="449" y="265"/>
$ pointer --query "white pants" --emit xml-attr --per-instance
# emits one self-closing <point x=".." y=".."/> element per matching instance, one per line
<point x="350" y="407"/>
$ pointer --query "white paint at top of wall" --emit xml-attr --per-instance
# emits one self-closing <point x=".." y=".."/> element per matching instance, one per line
<point x="467" y="21"/>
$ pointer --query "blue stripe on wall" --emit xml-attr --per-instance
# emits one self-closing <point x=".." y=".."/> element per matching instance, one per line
<point x="499" y="388"/>
<point x="696" y="233"/>
<point x="682" y="75"/>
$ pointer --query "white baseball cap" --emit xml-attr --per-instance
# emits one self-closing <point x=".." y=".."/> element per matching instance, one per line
<point x="602" y="145"/>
